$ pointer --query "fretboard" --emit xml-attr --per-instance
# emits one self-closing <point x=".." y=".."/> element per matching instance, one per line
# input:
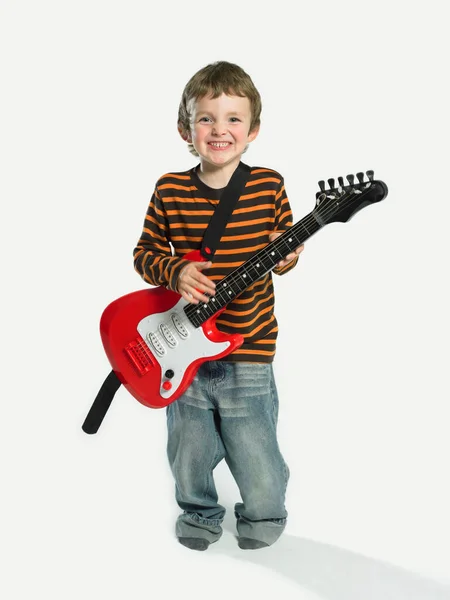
<point x="253" y="269"/>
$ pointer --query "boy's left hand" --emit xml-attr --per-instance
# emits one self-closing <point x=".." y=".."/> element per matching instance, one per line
<point x="289" y="257"/>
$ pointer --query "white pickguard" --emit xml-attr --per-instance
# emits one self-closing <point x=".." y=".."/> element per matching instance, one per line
<point x="176" y="343"/>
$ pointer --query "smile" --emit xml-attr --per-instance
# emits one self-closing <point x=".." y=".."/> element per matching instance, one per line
<point x="219" y="144"/>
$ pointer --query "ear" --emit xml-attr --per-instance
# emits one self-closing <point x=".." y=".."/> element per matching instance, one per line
<point x="185" y="135"/>
<point x="253" y="134"/>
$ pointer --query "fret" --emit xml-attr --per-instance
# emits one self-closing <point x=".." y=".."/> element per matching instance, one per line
<point x="304" y="227"/>
<point x="288" y="247"/>
<point x="243" y="277"/>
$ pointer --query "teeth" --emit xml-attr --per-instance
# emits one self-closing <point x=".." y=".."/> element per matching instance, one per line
<point x="219" y="145"/>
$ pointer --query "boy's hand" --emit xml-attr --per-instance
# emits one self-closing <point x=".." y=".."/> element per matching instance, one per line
<point x="193" y="285"/>
<point x="289" y="257"/>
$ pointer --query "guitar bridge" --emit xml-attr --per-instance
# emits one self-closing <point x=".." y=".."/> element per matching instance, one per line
<point x="139" y="354"/>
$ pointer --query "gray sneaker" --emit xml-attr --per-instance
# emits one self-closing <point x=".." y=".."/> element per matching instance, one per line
<point x="250" y="544"/>
<point x="194" y="543"/>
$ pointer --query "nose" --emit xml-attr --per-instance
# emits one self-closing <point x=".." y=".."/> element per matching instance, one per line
<point x="219" y="128"/>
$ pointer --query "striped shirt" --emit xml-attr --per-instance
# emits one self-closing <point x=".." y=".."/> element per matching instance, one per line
<point x="178" y="214"/>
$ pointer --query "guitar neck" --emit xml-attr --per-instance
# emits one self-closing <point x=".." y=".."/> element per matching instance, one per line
<point x="253" y="269"/>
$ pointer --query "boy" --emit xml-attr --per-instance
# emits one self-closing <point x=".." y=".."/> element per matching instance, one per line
<point x="230" y="409"/>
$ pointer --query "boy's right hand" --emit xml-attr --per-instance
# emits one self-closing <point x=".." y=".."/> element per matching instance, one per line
<point x="193" y="285"/>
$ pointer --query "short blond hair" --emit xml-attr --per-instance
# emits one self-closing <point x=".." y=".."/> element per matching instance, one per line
<point x="215" y="79"/>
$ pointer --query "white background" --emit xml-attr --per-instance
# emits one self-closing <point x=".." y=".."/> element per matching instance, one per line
<point x="89" y="99"/>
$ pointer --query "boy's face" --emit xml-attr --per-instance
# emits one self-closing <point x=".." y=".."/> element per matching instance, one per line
<point x="220" y="128"/>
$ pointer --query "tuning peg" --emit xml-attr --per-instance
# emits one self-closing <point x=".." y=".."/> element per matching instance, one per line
<point x="360" y="177"/>
<point x="350" y="179"/>
<point x="341" y="181"/>
<point x="322" y="185"/>
<point x="331" y="183"/>
<point x="370" y="175"/>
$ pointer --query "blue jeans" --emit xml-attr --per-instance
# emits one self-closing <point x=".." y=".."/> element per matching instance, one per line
<point x="229" y="411"/>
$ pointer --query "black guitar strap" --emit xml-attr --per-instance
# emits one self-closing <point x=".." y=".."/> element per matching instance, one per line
<point x="211" y="239"/>
<point x="222" y="214"/>
<point x="101" y="403"/>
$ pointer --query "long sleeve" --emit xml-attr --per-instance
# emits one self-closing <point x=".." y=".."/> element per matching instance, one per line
<point x="283" y="220"/>
<point x="153" y="258"/>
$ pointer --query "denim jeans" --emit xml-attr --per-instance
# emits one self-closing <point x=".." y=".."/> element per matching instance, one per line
<point x="229" y="411"/>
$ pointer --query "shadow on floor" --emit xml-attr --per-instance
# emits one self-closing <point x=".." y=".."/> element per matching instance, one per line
<point x="336" y="574"/>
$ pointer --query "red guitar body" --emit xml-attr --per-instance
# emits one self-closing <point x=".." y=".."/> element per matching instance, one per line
<point x="154" y="349"/>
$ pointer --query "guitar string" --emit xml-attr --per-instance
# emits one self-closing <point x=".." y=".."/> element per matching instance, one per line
<point x="193" y="309"/>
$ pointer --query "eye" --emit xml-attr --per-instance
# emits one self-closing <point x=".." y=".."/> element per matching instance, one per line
<point x="234" y="120"/>
<point x="204" y="119"/>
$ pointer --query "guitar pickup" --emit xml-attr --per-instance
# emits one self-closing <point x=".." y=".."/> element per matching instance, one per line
<point x="168" y="335"/>
<point x="179" y="326"/>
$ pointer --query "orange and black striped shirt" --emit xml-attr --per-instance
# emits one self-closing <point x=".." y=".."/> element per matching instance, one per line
<point x="178" y="214"/>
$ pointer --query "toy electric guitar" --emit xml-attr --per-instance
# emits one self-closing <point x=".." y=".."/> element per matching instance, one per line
<point x="156" y="341"/>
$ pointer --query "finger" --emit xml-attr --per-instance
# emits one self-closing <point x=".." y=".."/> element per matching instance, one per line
<point x="203" y="293"/>
<point x="200" y="297"/>
<point x="206" y="285"/>
<point x="189" y="297"/>
<point x="286" y="260"/>
<point x="198" y="294"/>
<point x="294" y="254"/>
<point x="195" y="278"/>
<point x="203" y="282"/>
<point x="194" y="296"/>
<point x="273" y="236"/>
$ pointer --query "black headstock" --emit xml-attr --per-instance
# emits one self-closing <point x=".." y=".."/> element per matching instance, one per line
<point x="340" y="202"/>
